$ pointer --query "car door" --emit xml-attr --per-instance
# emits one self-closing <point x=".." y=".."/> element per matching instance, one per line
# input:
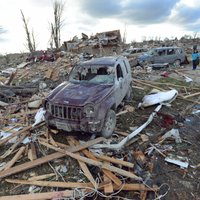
<point x="119" y="84"/>
<point x="160" y="56"/>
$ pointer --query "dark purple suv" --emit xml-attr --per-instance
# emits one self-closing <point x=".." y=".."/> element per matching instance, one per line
<point x="87" y="101"/>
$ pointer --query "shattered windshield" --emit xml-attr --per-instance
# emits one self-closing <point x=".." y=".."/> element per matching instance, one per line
<point x="93" y="74"/>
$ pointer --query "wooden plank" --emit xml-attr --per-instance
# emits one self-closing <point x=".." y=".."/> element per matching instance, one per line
<point x="7" y="129"/>
<point x="41" y="177"/>
<point x="97" y="163"/>
<point x="52" y="141"/>
<point x="55" y="74"/>
<point x="15" y="134"/>
<point x="136" y="187"/>
<point x="122" y="133"/>
<point x="30" y="155"/>
<point x="109" y="187"/>
<point x="108" y="173"/>
<point x="49" y="73"/>
<point x="12" y="148"/>
<point x="104" y="166"/>
<point x="51" y="183"/>
<point x="128" y="187"/>
<point x="48" y="158"/>
<point x="40" y="196"/>
<point x="192" y="95"/>
<point x="115" y="161"/>
<point x="85" y="168"/>
<point x="33" y="151"/>
<point x="15" y="158"/>
<point x="143" y="195"/>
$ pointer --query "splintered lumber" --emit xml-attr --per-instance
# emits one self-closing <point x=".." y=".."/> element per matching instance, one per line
<point x="15" y="134"/>
<point x="136" y="187"/>
<point x="51" y="183"/>
<point x="32" y="152"/>
<point x="128" y="187"/>
<point x="52" y="141"/>
<point x="143" y="195"/>
<point x="15" y="158"/>
<point x="40" y="196"/>
<point x="41" y="177"/>
<point x="49" y="73"/>
<point x="85" y="169"/>
<point x="12" y="148"/>
<point x="192" y="95"/>
<point x="115" y="161"/>
<point x="105" y="166"/>
<point x="109" y="187"/>
<point x="96" y="163"/>
<point x="47" y="158"/>
<point x="148" y="84"/>
<point x="108" y="173"/>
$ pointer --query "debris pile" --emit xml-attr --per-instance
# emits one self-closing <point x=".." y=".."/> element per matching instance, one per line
<point x="153" y="153"/>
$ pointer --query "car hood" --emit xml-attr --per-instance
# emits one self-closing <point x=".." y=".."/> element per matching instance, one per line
<point x="79" y="94"/>
<point x="144" y="56"/>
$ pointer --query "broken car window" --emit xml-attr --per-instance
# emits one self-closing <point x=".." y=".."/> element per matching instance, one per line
<point x="92" y="74"/>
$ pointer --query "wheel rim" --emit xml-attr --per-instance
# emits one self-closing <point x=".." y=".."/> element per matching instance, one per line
<point x="110" y="124"/>
<point x="177" y="62"/>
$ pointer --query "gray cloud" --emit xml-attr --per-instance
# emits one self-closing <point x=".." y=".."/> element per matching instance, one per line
<point x="188" y="17"/>
<point x="136" y="12"/>
<point x="101" y="8"/>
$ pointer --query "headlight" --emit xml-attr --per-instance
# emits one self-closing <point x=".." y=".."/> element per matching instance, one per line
<point x="89" y="110"/>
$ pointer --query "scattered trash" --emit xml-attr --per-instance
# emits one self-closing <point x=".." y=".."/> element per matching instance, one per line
<point x="178" y="160"/>
<point x="188" y="80"/>
<point x="195" y="111"/>
<point x="158" y="98"/>
<point x="174" y="133"/>
<point x="39" y="117"/>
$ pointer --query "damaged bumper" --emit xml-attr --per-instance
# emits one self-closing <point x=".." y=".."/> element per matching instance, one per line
<point x="85" y="125"/>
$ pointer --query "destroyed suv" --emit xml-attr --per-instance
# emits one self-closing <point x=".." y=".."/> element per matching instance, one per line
<point x="87" y="101"/>
<point x="171" y="55"/>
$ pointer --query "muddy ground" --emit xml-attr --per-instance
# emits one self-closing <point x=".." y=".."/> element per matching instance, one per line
<point x="174" y="182"/>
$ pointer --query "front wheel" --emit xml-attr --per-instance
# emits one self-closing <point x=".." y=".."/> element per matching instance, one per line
<point x="109" y="124"/>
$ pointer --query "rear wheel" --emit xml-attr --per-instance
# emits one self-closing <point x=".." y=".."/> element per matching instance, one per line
<point x="177" y="63"/>
<point x="109" y="124"/>
<point x="129" y="95"/>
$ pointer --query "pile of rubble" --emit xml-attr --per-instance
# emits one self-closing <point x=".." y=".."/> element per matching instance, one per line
<point x="38" y="163"/>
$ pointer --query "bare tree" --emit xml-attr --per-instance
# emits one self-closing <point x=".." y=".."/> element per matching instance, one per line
<point x="125" y="34"/>
<point x="195" y="35"/>
<point x="29" y="37"/>
<point x="56" y="26"/>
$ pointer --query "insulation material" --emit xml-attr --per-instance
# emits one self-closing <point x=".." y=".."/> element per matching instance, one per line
<point x="158" y="98"/>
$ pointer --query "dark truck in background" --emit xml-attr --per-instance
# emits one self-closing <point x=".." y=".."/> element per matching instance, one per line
<point x="88" y="100"/>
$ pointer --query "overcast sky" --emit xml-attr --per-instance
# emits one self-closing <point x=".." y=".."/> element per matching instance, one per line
<point x="142" y="18"/>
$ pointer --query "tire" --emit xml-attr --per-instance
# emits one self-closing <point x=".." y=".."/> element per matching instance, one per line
<point x="177" y="63"/>
<point x="109" y="124"/>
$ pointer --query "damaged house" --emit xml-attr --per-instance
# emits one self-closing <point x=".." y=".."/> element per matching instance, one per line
<point x="104" y="43"/>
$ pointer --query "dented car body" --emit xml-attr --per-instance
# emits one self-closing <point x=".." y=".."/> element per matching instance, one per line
<point x="87" y="101"/>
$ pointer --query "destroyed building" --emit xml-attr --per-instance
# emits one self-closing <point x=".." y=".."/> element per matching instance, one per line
<point x="104" y="43"/>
